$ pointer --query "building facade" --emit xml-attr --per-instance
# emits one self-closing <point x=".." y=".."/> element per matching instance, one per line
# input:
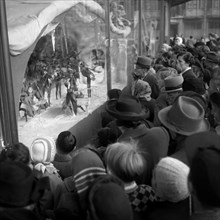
<point x="196" y="18"/>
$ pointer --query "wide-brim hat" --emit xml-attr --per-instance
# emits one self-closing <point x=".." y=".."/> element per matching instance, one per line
<point x="212" y="57"/>
<point x="144" y="61"/>
<point x="173" y="84"/>
<point x="126" y="108"/>
<point x="185" y="116"/>
<point x="108" y="200"/>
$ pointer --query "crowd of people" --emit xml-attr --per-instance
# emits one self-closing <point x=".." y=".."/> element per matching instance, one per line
<point x="156" y="155"/>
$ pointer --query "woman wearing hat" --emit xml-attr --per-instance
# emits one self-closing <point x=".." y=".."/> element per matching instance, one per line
<point x="142" y="91"/>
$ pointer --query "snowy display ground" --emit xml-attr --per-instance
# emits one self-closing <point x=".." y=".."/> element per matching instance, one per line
<point x="53" y="120"/>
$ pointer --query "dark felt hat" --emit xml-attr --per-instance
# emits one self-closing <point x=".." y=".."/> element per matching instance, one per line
<point x="194" y="84"/>
<point x="108" y="200"/>
<point x="144" y="61"/>
<point x="212" y="57"/>
<point x="18" y="187"/>
<point x="126" y="108"/>
<point x="203" y="153"/>
<point x="199" y="43"/>
<point x="173" y="83"/>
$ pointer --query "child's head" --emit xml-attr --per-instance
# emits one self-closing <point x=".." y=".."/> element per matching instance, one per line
<point x="170" y="180"/>
<point x="19" y="188"/>
<point x="125" y="160"/>
<point x="43" y="150"/>
<point x="115" y="204"/>
<point x="65" y="142"/>
<point x="16" y="152"/>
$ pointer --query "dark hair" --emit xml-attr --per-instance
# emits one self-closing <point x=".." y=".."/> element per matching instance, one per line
<point x="63" y="144"/>
<point x="215" y="98"/>
<point x="204" y="183"/>
<point x="114" y="93"/>
<point x="187" y="57"/>
<point x="16" y="152"/>
<point x="108" y="136"/>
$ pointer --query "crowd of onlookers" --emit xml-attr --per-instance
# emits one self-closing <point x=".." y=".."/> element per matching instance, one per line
<point x="155" y="157"/>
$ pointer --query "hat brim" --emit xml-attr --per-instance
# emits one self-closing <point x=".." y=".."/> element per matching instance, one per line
<point x="143" y="65"/>
<point x="162" y="115"/>
<point x="125" y="116"/>
<point x="163" y="90"/>
<point x="213" y="61"/>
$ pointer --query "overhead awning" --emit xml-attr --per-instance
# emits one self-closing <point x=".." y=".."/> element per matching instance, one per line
<point x="178" y="2"/>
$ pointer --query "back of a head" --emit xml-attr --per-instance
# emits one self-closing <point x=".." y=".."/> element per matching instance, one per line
<point x="205" y="177"/>
<point x="170" y="180"/>
<point x="125" y="160"/>
<point x="19" y="188"/>
<point x="65" y="142"/>
<point x="108" y="200"/>
<point x="113" y="93"/>
<point x="194" y="84"/>
<point x="187" y="57"/>
<point x="16" y="152"/>
<point x="87" y="166"/>
<point x="43" y="150"/>
<point x="108" y="136"/>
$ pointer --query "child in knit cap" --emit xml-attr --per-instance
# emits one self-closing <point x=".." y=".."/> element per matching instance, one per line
<point x="126" y="161"/>
<point x="65" y="144"/>
<point x="170" y="184"/>
<point x="42" y="152"/>
<point x="107" y="200"/>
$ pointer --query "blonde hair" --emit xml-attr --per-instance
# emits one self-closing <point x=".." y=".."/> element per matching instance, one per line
<point x="125" y="160"/>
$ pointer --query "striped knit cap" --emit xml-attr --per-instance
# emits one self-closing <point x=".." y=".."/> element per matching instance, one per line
<point x="87" y="166"/>
<point x="43" y="150"/>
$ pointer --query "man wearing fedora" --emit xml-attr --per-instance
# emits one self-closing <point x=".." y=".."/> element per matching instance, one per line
<point x="172" y="88"/>
<point x="145" y="64"/>
<point x="184" y="118"/>
<point x="144" y="71"/>
<point x="130" y="118"/>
